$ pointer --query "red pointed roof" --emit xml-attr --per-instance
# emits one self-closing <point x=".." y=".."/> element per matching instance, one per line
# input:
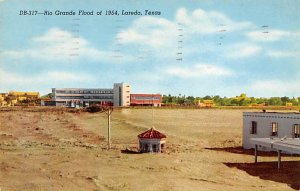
<point x="152" y="134"/>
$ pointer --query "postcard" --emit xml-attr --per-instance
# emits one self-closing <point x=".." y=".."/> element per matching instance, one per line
<point x="149" y="95"/>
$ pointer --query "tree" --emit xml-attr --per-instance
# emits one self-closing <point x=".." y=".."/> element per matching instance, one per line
<point x="217" y="99"/>
<point x="207" y="97"/>
<point x="244" y="102"/>
<point x="285" y="100"/>
<point x="49" y="95"/>
<point x="190" y="98"/>
<point x="275" y="101"/>
<point x="294" y="101"/>
<point x="253" y="100"/>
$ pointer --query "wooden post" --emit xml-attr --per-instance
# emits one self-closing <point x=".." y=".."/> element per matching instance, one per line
<point x="255" y="154"/>
<point x="152" y="111"/>
<point x="108" y="131"/>
<point x="279" y="159"/>
<point x="109" y="111"/>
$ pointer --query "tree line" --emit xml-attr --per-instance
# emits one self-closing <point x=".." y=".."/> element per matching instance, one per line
<point x="241" y="100"/>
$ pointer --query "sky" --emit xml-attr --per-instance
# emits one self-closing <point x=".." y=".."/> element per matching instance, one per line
<point x="197" y="48"/>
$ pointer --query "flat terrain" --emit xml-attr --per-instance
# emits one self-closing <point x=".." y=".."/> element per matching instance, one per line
<point x="59" y="150"/>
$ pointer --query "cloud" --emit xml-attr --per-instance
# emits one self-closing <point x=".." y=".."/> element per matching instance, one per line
<point x="60" y="45"/>
<point x="242" y="50"/>
<point x="148" y="76"/>
<point x="271" y="88"/>
<point x="148" y="30"/>
<point x="198" y="71"/>
<point x="43" y="81"/>
<point x="282" y="54"/>
<point x="270" y="35"/>
<point x="160" y="32"/>
<point x="50" y="77"/>
<point x="208" y="22"/>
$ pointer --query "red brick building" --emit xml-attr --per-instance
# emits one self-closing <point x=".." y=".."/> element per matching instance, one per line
<point x="145" y="100"/>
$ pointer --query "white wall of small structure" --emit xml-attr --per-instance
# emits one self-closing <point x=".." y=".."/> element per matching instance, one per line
<point x="150" y="143"/>
<point x="264" y="121"/>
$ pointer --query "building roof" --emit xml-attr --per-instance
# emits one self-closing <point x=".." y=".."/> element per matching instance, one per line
<point x="291" y="145"/>
<point x="274" y="112"/>
<point x="152" y="134"/>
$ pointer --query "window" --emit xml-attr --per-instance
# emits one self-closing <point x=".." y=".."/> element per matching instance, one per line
<point x="274" y="129"/>
<point x="147" y="98"/>
<point x="154" y="148"/>
<point x="60" y="91"/>
<point x="253" y="129"/>
<point x="296" y="130"/>
<point x="162" y="147"/>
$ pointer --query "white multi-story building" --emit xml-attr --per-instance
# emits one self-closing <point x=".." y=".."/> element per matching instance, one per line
<point x="269" y="125"/>
<point x="119" y="96"/>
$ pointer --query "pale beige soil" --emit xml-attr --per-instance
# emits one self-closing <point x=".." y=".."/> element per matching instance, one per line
<point x="58" y="150"/>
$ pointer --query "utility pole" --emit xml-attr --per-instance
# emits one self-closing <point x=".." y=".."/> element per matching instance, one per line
<point x="152" y="111"/>
<point x="108" y="112"/>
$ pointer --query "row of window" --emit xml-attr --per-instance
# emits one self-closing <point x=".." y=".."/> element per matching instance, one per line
<point x="145" y="97"/>
<point x="69" y="97"/>
<point x="84" y="92"/>
<point x="269" y="116"/>
<point x="274" y="129"/>
<point x="84" y="97"/>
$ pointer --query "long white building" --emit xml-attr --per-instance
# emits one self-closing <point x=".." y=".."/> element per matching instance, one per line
<point x="119" y="96"/>
<point x="271" y="125"/>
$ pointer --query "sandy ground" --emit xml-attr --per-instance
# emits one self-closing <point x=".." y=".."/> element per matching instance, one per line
<point x="58" y="150"/>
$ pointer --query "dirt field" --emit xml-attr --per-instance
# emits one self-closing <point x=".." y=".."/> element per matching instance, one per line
<point x="59" y="150"/>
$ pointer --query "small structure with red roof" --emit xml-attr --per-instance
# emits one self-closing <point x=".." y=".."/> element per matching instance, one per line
<point x="152" y="141"/>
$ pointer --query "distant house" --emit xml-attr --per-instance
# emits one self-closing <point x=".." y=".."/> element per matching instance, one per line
<point x="206" y="103"/>
<point x="271" y="125"/>
<point x="19" y="98"/>
<point x="152" y="141"/>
